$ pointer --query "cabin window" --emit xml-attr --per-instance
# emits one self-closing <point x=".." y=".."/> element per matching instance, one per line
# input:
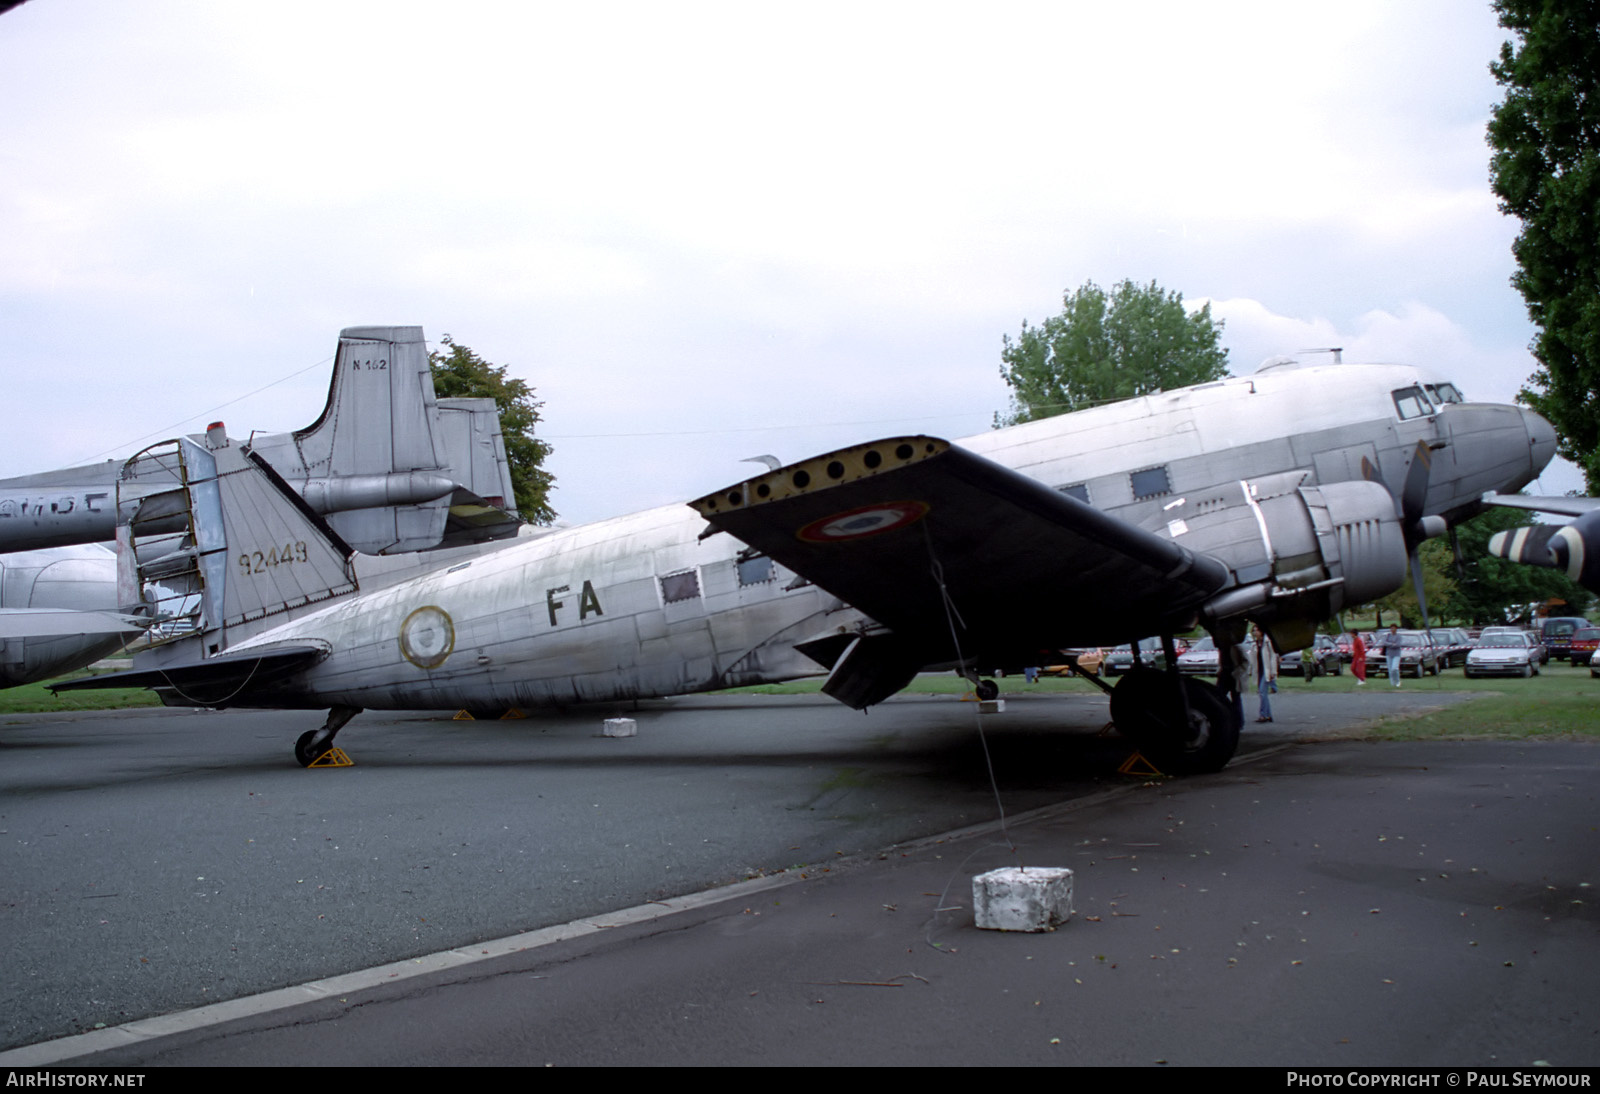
<point x="1152" y="482"/>
<point x="754" y="571"/>
<point x="1412" y="402"/>
<point x="684" y="586"/>
<point x="1079" y="490"/>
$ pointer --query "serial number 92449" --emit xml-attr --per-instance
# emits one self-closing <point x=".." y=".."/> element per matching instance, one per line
<point x="257" y="562"/>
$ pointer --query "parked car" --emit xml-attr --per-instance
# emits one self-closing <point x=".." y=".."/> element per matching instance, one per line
<point x="1585" y="641"/>
<point x="1556" y="635"/>
<point x="1418" y="655"/>
<point x="1088" y="659"/>
<point x="1509" y="653"/>
<point x="1345" y="644"/>
<point x="1120" y="659"/>
<point x="1324" y="660"/>
<point x="1200" y="659"/>
<point x="1454" y="643"/>
<point x="1492" y="632"/>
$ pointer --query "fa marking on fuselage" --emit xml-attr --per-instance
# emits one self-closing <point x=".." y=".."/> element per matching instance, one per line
<point x="1280" y="497"/>
<point x="588" y="601"/>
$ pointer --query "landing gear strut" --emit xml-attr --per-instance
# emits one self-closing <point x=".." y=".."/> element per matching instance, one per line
<point x="314" y="743"/>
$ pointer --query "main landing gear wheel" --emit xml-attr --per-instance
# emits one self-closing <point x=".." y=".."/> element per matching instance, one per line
<point x="986" y="690"/>
<point x="1191" y="732"/>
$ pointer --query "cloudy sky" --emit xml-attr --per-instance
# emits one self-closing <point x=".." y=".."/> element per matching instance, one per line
<point x="705" y="231"/>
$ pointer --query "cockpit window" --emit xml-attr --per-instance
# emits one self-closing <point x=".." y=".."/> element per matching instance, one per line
<point x="1412" y="402"/>
<point x="1444" y="393"/>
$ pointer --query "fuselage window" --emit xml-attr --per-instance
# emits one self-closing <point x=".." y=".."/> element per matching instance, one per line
<point x="754" y="571"/>
<point x="1079" y="490"/>
<point x="1150" y="483"/>
<point x="1412" y="402"/>
<point x="684" y="586"/>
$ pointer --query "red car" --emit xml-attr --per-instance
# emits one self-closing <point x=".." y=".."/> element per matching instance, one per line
<point x="1585" y="640"/>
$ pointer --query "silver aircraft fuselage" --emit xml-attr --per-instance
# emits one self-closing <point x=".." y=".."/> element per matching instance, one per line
<point x="645" y="605"/>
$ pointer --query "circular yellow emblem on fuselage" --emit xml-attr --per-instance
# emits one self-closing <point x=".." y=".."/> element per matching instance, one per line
<point x="427" y="637"/>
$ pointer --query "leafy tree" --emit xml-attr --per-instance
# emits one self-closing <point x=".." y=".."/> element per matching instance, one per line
<point x="1546" y="171"/>
<point x="1437" y="586"/>
<point x="460" y="373"/>
<point x="1135" y="340"/>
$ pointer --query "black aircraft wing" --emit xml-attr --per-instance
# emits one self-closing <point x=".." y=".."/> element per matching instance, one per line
<point x="905" y="527"/>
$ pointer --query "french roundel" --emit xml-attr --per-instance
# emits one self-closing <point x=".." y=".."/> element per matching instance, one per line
<point x="869" y="520"/>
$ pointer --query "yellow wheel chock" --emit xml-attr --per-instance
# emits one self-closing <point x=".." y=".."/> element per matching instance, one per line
<point x="334" y="757"/>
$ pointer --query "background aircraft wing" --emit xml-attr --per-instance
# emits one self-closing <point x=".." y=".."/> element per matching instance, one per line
<point x="1563" y="505"/>
<point x="900" y="527"/>
<point x="65" y="622"/>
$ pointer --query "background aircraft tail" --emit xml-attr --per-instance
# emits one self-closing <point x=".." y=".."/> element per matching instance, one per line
<point x="373" y="462"/>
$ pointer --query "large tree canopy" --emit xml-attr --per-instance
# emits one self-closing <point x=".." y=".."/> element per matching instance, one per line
<point x="1135" y="340"/>
<point x="1546" y="170"/>
<point x="460" y="373"/>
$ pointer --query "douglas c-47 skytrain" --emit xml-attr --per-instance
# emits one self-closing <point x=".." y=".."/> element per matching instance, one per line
<point x="1279" y="497"/>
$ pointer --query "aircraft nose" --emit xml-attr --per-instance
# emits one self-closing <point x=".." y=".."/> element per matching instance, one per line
<point x="1541" y="439"/>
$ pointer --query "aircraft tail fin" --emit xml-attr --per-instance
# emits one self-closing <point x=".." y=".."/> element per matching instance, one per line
<point x="227" y="545"/>
<point x="374" y="463"/>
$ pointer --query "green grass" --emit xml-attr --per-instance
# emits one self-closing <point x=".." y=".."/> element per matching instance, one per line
<point x="1561" y="702"/>
<point x="35" y="698"/>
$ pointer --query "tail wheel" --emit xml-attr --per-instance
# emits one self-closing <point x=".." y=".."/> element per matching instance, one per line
<point x="306" y="752"/>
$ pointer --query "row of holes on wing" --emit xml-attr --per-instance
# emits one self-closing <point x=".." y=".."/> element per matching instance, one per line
<point x="800" y="477"/>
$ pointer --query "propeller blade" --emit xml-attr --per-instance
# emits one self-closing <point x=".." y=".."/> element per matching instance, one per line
<point x="1416" y="581"/>
<point x="1414" y="495"/>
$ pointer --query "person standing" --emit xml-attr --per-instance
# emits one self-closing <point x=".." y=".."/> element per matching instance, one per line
<point x="1390" y="644"/>
<point x="1264" y="663"/>
<point x="1358" y="659"/>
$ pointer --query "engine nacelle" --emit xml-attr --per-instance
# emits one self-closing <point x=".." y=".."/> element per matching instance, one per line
<point x="1298" y="553"/>
<point x="73" y="579"/>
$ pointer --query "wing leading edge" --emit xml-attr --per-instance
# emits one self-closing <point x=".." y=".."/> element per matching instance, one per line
<point x="895" y="526"/>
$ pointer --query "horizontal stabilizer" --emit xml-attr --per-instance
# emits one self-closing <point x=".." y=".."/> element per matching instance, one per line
<point x="218" y="677"/>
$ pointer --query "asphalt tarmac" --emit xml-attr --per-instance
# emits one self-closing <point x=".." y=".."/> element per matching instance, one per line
<point x="1343" y="903"/>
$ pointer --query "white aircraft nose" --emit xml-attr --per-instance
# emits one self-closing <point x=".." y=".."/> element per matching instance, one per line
<point x="1541" y="438"/>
